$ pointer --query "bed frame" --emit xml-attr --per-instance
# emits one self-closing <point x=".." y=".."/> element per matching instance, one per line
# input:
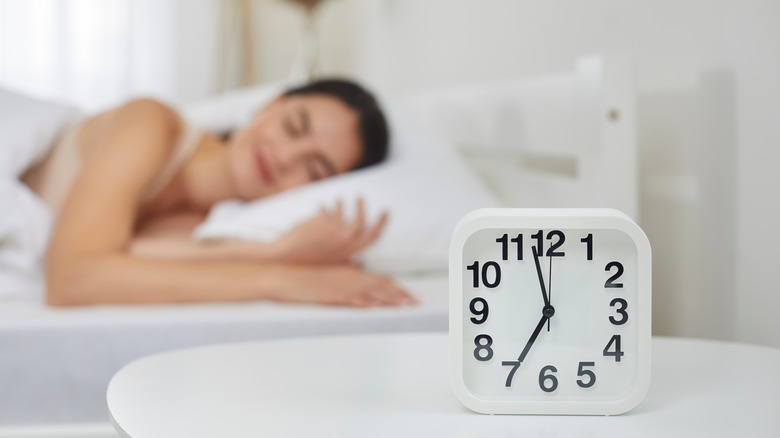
<point x="561" y="140"/>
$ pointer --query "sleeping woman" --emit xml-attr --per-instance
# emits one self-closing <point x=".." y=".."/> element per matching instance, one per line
<point x="129" y="185"/>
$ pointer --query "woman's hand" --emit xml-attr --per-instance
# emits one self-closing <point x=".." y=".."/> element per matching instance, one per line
<point x="345" y="286"/>
<point x="327" y="238"/>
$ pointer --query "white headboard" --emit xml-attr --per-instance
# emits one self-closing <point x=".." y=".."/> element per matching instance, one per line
<point x="563" y="140"/>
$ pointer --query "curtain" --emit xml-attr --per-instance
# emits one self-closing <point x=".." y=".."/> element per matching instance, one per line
<point x="98" y="53"/>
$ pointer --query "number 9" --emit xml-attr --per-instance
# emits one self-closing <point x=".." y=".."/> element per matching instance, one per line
<point x="481" y="313"/>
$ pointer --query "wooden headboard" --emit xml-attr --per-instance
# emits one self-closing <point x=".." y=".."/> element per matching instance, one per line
<point x="562" y="140"/>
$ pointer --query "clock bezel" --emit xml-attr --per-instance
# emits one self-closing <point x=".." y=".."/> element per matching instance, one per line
<point x="551" y="218"/>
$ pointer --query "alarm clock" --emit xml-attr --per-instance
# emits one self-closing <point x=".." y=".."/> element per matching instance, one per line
<point x="550" y="311"/>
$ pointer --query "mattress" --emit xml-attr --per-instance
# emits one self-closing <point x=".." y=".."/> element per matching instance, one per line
<point x="55" y="363"/>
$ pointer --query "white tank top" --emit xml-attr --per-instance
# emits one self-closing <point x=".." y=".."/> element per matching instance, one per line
<point x="55" y="183"/>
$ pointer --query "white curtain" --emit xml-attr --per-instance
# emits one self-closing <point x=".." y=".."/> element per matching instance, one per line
<point x="97" y="53"/>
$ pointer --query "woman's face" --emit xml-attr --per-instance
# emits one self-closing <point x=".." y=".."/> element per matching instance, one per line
<point x="292" y="141"/>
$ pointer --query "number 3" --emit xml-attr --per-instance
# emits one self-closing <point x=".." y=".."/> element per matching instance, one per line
<point x="621" y="310"/>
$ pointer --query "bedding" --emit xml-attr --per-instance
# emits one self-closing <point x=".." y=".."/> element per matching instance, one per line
<point x="55" y="363"/>
<point x="29" y="127"/>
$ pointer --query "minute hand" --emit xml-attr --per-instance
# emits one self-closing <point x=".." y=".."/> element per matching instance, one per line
<point x="532" y="339"/>
<point x="541" y="277"/>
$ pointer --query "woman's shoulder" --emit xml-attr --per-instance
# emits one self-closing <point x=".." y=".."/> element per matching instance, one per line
<point x="155" y="117"/>
<point x="152" y="112"/>
<point x="148" y="105"/>
<point x="142" y="131"/>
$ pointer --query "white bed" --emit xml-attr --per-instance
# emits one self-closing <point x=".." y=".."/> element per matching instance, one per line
<point x="56" y="363"/>
<point x="561" y="140"/>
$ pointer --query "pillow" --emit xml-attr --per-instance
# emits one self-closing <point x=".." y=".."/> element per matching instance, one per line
<point x="234" y="108"/>
<point x="423" y="184"/>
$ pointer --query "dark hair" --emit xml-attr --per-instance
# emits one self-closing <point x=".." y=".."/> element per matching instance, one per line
<point x="372" y="126"/>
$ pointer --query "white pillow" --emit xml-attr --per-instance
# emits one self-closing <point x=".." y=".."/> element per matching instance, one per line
<point x="234" y="108"/>
<point x="424" y="185"/>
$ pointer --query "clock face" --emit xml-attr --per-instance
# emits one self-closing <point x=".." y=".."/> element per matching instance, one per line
<point x="553" y="315"/>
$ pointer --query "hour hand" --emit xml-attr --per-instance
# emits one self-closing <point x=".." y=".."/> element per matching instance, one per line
<point x="533" y="337"/>
<point x="541" y="277"/>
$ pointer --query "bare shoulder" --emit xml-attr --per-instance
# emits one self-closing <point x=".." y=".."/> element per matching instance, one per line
<point x="149" y="108"/>
<point x="146" y="128"/>
<point x="147" y="113"/>
<point x="128" y="145"/>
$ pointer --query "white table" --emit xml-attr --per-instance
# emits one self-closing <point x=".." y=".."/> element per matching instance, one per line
<point x="397" y="385"/>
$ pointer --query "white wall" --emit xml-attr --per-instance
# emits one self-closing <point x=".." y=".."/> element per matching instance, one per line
<point x="708" y="106"/>
<point x="754" y="49"/>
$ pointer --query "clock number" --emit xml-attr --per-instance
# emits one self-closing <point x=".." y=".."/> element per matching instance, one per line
<point x="581" y="371"/>
<point x="483" y="343"/>
<point x="618" y="353"/>
<point x="548" y="382"/>
<point x="480" y="314"/>
<point x="588" y="241"/>
<point x="621" y="310"/>
<point x="504" y="241"/>
<point x="538" y="237"/>
<point x="611" y="280"/>
<point x="474" y="267"/>
<point x="515" y="364"/>
<point x="553" y="246"/>
<point x="551" y="252"/>
<point x="519" y="241"/>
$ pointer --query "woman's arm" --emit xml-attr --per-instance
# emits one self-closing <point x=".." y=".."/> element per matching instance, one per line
<point x="88" y="261"/>
<point x="121" y="279"/>
<point x="325" y="238"/>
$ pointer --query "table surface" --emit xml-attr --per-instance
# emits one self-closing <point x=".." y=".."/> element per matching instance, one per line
<point x="397" y="385"/>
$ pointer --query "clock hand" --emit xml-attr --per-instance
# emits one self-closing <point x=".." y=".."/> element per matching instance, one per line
<point x="541" y="277"/>
<point x="533" y="337"/>
<point x="549" y="290"/>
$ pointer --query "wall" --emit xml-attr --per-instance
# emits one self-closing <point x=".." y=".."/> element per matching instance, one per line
<point x="755" y="55"/>
<point x="708" y="108"/>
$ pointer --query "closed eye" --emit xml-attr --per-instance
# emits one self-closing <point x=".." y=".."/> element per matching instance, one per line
<point x="311" y="169"/>
<point x="290" y="128"/>
<point x="302" y="127"/>
<point x="320" y="167"/>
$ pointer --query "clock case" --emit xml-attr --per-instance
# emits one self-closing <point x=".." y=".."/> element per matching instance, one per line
<point x="550" y="218"/>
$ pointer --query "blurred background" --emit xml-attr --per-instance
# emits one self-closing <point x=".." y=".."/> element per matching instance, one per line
<point x="706" y="75"/>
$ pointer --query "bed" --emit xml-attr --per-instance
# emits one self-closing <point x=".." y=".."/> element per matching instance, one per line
<point x="566" y="139"/>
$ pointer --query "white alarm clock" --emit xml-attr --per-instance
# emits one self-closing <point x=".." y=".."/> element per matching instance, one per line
<point x="549" y="311"/>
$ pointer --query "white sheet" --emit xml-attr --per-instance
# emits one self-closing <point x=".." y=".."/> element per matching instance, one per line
<point x="55" y="364"/>
<point x="29" y="127"/>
